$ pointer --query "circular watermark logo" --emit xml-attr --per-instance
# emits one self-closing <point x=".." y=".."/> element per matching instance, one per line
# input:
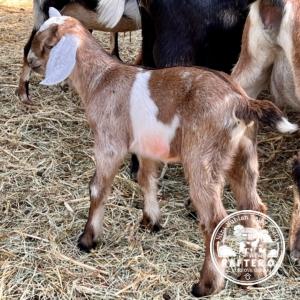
<point x="247" y="247"/>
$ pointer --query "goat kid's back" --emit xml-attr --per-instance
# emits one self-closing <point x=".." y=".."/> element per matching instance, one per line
<point x="165" y="106"/>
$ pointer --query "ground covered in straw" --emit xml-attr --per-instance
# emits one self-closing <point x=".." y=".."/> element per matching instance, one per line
<point x="46" y="163"/>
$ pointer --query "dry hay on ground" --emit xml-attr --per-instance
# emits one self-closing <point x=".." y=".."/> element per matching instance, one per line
<point x="45" y="165"/>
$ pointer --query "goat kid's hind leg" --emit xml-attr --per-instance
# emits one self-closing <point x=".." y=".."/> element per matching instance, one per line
<point x="243" y="177"/>
<point x="100" y="186"/>
<point x="147" y="179"/>
<point x="243" y="174"/>
<point x="210" y="211"/>
<point x="206" y="185"/>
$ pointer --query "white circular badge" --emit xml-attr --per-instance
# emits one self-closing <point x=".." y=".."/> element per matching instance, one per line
<point x="247" y="247"/>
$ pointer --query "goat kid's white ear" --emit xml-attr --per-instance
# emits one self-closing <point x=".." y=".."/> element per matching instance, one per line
<point x="62" y="60"/>
<point x="53" y="12"/>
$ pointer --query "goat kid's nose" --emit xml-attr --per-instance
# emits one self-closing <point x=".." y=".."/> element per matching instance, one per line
<point x="31" y="58"/>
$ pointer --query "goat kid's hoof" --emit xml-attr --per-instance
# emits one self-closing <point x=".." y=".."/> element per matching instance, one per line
<point x="202" y="289"/>
<point x="26" y="99"/>
<point x="192" y="213"/>
<point x="86" y="243"/>
<point x="133" y="175"/>
<point x="24" y="96"/>
<point x="295" y="254"/>
<point x="147" y="224"/>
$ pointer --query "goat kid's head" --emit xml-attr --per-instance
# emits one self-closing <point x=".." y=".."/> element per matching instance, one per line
<point x="53" y="49"/>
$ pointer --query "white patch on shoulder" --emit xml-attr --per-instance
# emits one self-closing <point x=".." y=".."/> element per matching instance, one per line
<point x="151" y="137"/>
<point x="54" y="20"/>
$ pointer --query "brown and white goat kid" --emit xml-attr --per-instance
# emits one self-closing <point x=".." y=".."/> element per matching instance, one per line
<point x="270" y="52"/>
<point x="190" y="115"/>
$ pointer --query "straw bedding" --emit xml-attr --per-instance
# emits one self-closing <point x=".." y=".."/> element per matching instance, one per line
<point x="46" y="162"/>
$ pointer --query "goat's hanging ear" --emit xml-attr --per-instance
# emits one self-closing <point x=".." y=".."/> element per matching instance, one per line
<point x="53" y="12"/>
<point x="62" y="60"/>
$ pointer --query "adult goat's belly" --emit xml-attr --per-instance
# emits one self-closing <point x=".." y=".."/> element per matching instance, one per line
<point x="151" y="137"/>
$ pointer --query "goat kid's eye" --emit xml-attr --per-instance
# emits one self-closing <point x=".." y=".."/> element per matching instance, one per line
<point x="48" y="47"/>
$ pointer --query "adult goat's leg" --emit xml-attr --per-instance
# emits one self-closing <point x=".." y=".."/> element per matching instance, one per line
<point x="253" y="69"/>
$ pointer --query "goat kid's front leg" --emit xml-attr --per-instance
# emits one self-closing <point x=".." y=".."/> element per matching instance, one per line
<point x="23" y="87"/>
<point x="147" y="179"/>
<point x="100" y="186"/>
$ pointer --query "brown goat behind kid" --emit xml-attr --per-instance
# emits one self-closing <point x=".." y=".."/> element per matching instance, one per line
<point x="189" y="115"/>
<point x="270" y="53"/>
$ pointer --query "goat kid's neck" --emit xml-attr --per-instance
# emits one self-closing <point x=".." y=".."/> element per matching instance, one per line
<point x="91" y="65"/>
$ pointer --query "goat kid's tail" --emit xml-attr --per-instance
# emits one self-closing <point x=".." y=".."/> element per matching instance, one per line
<point x="267" y="113"/>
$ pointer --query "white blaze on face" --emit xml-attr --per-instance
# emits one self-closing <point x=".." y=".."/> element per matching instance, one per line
<point x="152" y="138"/>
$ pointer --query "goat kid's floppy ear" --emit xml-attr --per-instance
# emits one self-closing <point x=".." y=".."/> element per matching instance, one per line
<point x="62" y="60"/>
<point x="53" y="12"/>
